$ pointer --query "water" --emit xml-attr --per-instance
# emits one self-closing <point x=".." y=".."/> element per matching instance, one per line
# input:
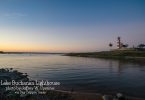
<point x="81" y="74"/>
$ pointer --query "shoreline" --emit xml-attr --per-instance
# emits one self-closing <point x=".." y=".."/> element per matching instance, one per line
<point x="135" y="56"/>
<point x="9" y="74"/>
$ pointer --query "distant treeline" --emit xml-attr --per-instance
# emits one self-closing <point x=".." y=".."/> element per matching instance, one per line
<point x="1" y="52"/>
<point x="28" y="53"/>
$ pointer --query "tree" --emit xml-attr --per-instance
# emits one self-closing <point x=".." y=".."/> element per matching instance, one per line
<point x="110" y="45"/>
<point x="141" y="46"/>
<point x="125" y="45"/>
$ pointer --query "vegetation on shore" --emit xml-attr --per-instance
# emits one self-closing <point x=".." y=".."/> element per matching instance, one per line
<point x="118" y="54"/>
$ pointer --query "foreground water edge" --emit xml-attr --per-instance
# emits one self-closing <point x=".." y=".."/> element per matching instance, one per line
<point x="82" y="74"/>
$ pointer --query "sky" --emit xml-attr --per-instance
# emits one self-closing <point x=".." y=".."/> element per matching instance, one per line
<point x="70" y="25"/>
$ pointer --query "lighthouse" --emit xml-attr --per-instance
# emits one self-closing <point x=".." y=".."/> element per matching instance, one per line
<point x="119" y="44"/>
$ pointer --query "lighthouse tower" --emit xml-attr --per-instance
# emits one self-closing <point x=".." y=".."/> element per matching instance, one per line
<point x="119" y="44"/>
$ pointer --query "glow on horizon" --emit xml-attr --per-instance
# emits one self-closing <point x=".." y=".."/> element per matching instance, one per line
<point x="77" y="39"/>
<point x="21" y="40"/>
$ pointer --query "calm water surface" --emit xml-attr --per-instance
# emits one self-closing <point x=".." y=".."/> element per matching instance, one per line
<point x="81" y="74"/>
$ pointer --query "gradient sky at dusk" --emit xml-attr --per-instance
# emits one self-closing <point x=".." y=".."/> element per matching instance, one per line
<point x="70" y="25"/>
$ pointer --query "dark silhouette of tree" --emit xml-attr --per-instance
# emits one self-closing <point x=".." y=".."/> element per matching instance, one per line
<point x="125" y="45"/>
<point x="141" y="46"/>
<point x="110" y="45"/>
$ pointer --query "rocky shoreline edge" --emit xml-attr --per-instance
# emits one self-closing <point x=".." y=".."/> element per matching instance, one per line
<point x="11" y="74"/>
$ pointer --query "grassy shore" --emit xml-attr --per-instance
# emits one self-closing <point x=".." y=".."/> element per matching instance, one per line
<point x="118" y="54"/>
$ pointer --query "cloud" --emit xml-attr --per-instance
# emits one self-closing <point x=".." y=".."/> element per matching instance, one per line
<point x="13" y="14"/>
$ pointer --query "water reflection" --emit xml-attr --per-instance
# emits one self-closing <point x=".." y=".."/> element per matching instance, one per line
<point x="82" y="74"/>
<point x="122" y="65"/>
